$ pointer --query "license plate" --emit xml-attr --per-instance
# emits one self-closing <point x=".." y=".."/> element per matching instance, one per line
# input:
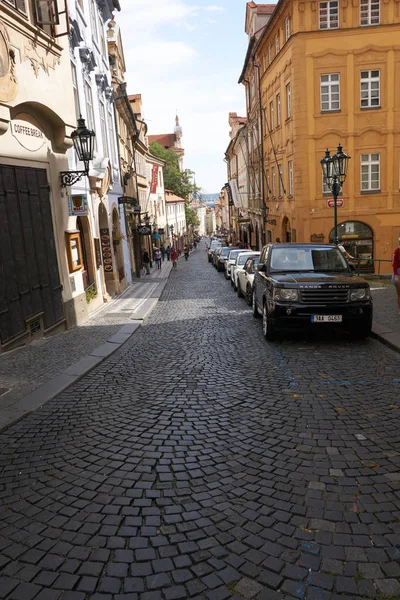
<point x="326" y="318"/>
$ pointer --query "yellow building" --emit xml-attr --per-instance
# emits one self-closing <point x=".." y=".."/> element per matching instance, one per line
<point x="328" y="74"/>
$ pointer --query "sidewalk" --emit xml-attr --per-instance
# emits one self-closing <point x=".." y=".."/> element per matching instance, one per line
<point x="33" y="374"/>
<point x="386" y="326"/>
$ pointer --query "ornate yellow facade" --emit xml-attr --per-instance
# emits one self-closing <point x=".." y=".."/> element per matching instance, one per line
<point x="329" y="74"/>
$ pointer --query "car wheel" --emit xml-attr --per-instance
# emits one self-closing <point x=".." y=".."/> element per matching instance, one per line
<point x="239" y="290"/>
<point x="256" y="314"/>
<point x="249" y="295"/>
<point x="268" y="328"/>
<point x="226" y="275"/>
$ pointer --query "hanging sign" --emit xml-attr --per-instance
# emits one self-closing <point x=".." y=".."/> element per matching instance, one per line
<point x="106" y="250"/>
<point x="235" y="193"/>
<point x="144" y="230"/>
<point x="78" y="205"/>
<point x="330" y="203"/>
<point x="154" y="179"/>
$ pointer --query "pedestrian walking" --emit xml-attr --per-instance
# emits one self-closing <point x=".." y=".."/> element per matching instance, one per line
<point x="158" y="257"/>
<point x="186" y="252"/>
<point x="174" y="258"/>
<point x="146" y="262"/>
<point x="396" y="274"/>
<point x="162" y="249"/>
<point x="168" y="253"/>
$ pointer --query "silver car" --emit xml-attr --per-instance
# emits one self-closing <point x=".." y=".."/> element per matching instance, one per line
<point x="231" y="261"/>
<point x="246" y="278"/>
<point x="239" y="264"/>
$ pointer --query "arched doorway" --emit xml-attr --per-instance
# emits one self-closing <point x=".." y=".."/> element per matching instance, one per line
<point x="117" y="244"/>
<point x="286" y="231"/>
<point x="88" y="272"/>
<point x="358" y="239"/>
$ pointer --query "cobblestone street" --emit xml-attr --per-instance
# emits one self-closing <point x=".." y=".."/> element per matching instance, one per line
<point x="199" y="461"/>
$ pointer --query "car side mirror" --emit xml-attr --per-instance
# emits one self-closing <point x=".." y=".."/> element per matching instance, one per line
<point x="261" y="267"/>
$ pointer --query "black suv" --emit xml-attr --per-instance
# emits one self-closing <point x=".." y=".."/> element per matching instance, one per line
<point x="298" y="286"/>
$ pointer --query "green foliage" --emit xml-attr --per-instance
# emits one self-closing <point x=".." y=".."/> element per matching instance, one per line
<point x="178" y="182"/>
<point x="191" y="216"/>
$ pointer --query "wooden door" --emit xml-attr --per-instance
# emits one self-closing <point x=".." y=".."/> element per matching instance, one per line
<point x="29" y="276"/>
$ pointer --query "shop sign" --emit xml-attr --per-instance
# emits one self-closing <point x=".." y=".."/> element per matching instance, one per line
<point x="144" y="230"/>
<point x="154" y="179"/>
<point x="330" y="203"/>
<point x="106" y="250"/>
<point x="27" y="135"/>
<point x="78" y="205"/>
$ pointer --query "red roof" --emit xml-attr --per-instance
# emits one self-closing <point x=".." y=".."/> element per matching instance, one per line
<point x="267" y="9"/>
<point x="171" y="197"/>
<point x="164" y="139"/>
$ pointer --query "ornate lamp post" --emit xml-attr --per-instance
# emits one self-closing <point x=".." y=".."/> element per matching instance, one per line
<point x="334" y="170"/>
<point x="83" y="140"/>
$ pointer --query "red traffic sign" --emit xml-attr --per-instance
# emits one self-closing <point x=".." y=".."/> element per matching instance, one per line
<point x="331" y="203"/>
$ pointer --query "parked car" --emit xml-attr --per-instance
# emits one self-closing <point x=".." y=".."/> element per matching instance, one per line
<point x="239" y="264"/>
<point x="215" y="256"/>
<point x="298" y="286"/>
<point x="221" y="257"/>
<point x="213" y="246"/>
<point x="231" y="261"/>
<point x="246" y="278"/>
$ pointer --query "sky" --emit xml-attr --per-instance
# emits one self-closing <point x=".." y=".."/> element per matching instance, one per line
<point x="185" y="57"/>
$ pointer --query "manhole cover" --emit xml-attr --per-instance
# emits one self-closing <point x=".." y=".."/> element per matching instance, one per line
<point x="4" y="391"/>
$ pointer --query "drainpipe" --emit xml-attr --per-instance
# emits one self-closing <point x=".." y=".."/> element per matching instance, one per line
<point x="264" y="208"/>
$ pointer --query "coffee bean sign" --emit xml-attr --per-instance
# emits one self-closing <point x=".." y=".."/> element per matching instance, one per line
<point x="105" y="241"/>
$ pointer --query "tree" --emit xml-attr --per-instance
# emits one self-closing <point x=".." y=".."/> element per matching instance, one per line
<point x="179" y="182"/>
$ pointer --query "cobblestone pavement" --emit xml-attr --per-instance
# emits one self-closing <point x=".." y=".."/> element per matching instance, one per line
<point x="199" y="461"/>
<point x="26" y="368"/>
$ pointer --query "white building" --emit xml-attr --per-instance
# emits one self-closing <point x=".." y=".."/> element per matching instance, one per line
<point x="176" y="220"/>
<point x="105" y="268"/>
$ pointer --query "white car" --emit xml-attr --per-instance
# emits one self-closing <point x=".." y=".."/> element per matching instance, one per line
<point x="239" y="264"/>
<point x="231" y="261"/>
<point x="246" y="278"/>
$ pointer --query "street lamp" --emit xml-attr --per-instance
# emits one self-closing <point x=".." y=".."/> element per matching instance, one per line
<point x="83" y="140"/>
<point x="334" y="171"/>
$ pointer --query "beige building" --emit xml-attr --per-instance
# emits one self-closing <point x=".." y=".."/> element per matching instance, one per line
<point x="37" y="116"/>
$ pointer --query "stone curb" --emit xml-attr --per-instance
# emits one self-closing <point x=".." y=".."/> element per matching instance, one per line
<point x="75" y="372"/>
<point x="386" y="336"/>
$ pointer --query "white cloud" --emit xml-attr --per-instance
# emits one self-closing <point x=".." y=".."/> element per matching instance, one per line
<point x="159" y="54"/>
<point x="214" y="8"/>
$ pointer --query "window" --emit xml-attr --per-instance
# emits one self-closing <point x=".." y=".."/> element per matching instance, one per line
<point x="290" y="172"/>
<point x="288" y="101"/>
<point x="273" y="182"/>
<point x="287" y="29"/>
<point x="277" y="44"/>
<point x="269" y="55"/>
<point x="278" y="110"/>
<point x="369" y="12"/>
<point x="18" y="4"/>
<point x="268" y="184"/>
<point x="93" y="20"/>
<point x="330" y="92"/>
<point x="103" y="128"/>
<point x="370" y="89"/>
<point x="370" y="172"/>
<point x="271" y="116"/>
<point x="329" y="14"/>
<point x="102" y="37"/>
<point x="281" y="191"/>
<point x="90" y="112"/>
<point x="75" y="90"/>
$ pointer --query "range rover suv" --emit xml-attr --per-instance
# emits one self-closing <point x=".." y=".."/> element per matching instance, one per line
<point x="298" y="286"/>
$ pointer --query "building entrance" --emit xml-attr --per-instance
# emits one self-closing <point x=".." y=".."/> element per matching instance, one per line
<point x="30" y="289"/>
